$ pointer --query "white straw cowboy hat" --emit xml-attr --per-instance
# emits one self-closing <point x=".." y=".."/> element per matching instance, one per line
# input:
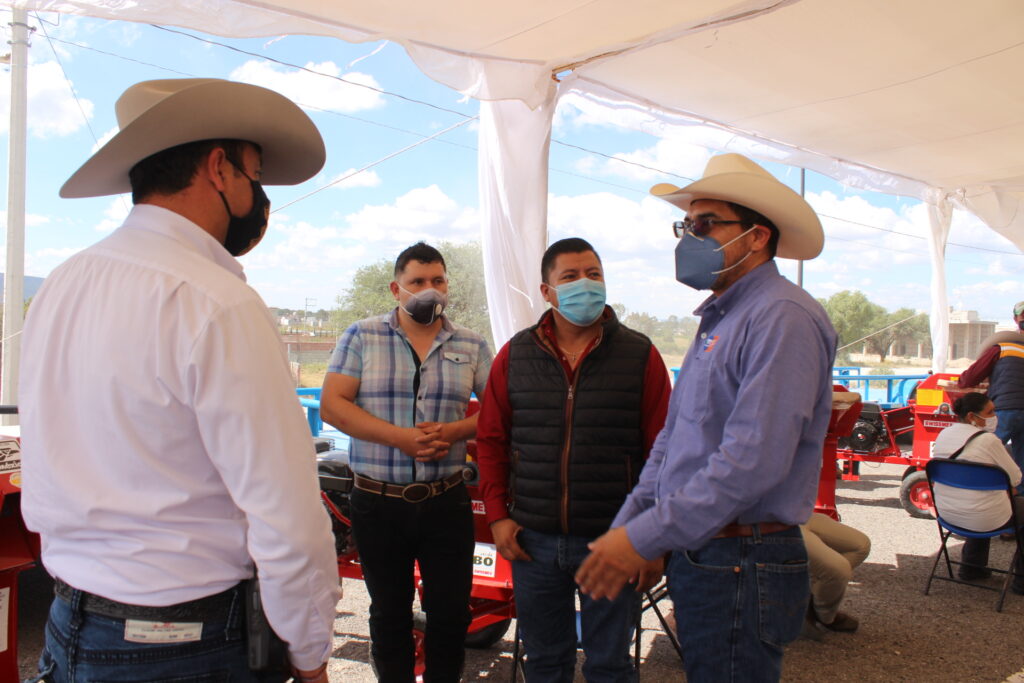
<point x="735" y="178"/>
<point x="157" y="115"/>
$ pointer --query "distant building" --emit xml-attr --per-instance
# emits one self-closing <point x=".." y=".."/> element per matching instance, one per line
<point x="966" y="332"/>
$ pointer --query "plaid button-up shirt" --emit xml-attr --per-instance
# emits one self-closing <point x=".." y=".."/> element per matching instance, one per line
<point x="377" y="353"/>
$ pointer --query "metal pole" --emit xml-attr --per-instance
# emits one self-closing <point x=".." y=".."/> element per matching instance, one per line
<point x="800" y="264"/>
<point x="14" y="275"/>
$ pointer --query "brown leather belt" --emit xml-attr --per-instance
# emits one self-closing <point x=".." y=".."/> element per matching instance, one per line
<point x="416" y="492"/>
<point x="211" y="608"/>
<point x="734" y="530"/>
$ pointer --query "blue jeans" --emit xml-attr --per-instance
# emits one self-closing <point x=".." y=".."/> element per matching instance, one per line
<point x="545" y="591"/>
<point x="1011" y="431"/>
<point x="82" y="647"/>
<point x="738" y="602"/>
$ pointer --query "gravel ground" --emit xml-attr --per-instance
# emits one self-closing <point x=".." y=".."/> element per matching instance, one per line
<point x="954" y="634"/>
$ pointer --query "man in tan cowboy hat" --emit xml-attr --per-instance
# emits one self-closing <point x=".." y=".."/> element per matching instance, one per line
<point x="735" y="470"/>
<point x="165" y="452"/>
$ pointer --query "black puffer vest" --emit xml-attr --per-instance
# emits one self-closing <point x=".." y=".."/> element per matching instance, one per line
<point x="1006" y="386"/>
<point x="576" y="451"/>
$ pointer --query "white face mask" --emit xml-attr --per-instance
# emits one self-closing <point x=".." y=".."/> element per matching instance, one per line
<point x="990" y="423"/>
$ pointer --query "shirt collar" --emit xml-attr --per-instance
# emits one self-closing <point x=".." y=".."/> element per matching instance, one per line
<point x="446" y="331"/>
<point x="752" y="281"/>
<point x="183" y="231"/>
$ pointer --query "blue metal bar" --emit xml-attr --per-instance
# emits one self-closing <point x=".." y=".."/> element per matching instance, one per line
<point x="312" y="407"/>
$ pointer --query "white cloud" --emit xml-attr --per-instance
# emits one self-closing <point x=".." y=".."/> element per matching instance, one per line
<point x="298" y="260"/>
<point x="311" y="90"/>
<point x="425" y="213"/>
<point x="115" y="213"/>
<point x="52" y="110"/>
<point x="31" y="220"/>
<point x="362" y="179"/>
<point x="652" y="164"/>
<point x="42" y="261"/>
<point x="104" y="139"/>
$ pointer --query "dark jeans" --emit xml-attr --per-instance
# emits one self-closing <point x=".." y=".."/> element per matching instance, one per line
<point x="81" y="647"/>
<point x="545" y="591"/>
<point x="738" y="602"/>
<point x="975" y="551"/>
<point x="392" y="535"/>
<point x="1011" y="430"/>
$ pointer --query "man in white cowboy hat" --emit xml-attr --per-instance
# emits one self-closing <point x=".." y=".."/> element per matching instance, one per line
<point x="165" y="452"/>
<point x="735" y="470"/>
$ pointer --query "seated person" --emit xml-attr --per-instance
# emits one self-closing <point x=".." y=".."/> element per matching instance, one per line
<point x="972" y="438"/>
<point x="834" y="550"/>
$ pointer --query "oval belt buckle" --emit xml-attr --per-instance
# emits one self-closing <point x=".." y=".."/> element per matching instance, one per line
<point x="416" y="492"/>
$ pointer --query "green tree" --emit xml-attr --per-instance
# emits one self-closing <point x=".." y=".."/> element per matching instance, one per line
<point x="853" y="316"/>
<point x="645" y="323"/>
<point x="369" y="294"/>
<point x="903" y="325"/>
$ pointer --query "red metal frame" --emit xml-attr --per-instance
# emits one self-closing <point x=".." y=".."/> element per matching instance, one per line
<point x="925" y="416"/>
<point x="19" y="550"/>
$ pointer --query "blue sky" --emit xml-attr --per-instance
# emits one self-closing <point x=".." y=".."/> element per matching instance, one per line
<point x="315" y="245"/>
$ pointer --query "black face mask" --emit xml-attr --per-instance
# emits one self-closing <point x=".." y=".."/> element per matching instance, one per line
<point x="245" y="232"/>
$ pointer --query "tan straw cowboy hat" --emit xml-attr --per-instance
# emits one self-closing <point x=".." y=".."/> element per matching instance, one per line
<point x="735" y="178"/>
<point x="157" y="115"/>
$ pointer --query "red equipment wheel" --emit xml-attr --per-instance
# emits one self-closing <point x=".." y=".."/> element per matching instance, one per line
<point x="915" y="496"/>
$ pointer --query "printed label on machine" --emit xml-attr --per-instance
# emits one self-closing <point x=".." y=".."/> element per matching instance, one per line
<point x="5" y="606"/>
<point x="485" y="557"/>
<point x="10" y="456"/>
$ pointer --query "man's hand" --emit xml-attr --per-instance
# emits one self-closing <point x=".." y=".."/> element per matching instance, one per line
<point x="437" y="437"/>
<point x="612" y="562"/>
<point x="505" y="532"/>
<point x="311" y="676"/>
<point x="413" y="442"/>
<point x="650" y="575"/>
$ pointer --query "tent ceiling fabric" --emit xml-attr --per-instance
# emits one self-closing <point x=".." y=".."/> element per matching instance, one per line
<point x="922" y="95"/>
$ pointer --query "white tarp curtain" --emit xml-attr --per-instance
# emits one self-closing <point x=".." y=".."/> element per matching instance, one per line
<point x="918" y="97"/>
<point x="513" y="179"/>
<point x="940" y="215"/>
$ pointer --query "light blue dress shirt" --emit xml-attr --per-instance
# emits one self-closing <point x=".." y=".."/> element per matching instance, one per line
<point x="746" y="422"/>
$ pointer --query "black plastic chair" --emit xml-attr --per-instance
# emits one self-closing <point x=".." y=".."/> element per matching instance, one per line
<point x="972" y="476"/>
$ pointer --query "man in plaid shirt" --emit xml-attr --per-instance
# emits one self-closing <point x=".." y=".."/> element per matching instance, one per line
<point x="399" y="385"/>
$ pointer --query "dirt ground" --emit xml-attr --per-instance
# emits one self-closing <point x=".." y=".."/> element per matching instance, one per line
<point x="954" y="634"/>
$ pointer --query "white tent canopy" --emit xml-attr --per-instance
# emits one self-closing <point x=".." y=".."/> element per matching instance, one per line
<point x="918" y="97"/>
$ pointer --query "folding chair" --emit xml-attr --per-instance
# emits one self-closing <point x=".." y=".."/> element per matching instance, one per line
<point x="649" y="600"/>
<point x="975" y="477"/>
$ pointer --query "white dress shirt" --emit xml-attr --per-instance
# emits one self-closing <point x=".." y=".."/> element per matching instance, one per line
<point x="163" y="443"/>
<point x="976" y="510"/>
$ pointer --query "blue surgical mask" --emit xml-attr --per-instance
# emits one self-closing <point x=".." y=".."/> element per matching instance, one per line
<point x="700" y="260"/>
<point x="581" y="302"/>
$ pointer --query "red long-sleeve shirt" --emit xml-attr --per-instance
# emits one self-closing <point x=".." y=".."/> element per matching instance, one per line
<point x="980" y="369"/>
<point x="495" y="422"/>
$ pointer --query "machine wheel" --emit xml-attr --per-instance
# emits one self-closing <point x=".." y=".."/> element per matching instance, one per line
<point x="488" y="635"/>
<point x="916" y="497"/>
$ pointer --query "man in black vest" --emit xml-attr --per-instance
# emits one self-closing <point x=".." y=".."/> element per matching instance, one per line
<point x="572" y="407"/>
